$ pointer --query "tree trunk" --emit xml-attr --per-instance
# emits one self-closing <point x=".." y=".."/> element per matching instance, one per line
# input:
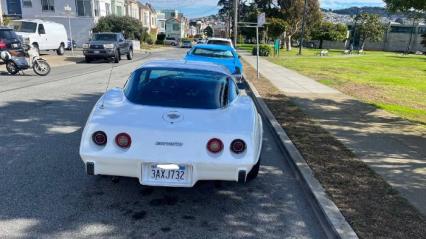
<point x="321" y="43"/>
<point x="283" y="39"/>
<point x="363" y="45"/>
<point x="288" y="42"/>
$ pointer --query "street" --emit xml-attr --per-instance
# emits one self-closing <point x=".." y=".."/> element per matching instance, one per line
<point x="45" y="192"/>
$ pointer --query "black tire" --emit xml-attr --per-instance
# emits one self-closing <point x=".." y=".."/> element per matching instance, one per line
<point x="88" y="59"/>
<point x="130" y="54"/>
<point x="117" y="57"/>
<point x="11" y="67"/>
<point x="173" y="44"/>
<point x="61" y="50"/>
<point x="35" y="45"/>
<point x="253" y="172"/>
<point x="41" y="67"/>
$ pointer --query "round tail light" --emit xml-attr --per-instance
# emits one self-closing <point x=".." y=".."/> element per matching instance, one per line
<point x="123" y="140"/>
<point x="238" y="146"/>
<point x="215" y="145"/>
<point x="99" y="138"/>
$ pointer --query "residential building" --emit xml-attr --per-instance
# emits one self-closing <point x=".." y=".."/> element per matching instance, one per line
<point x="161" y="22"/>
<point x="148" y="17"/>
<point x="175" y="28"/>
<point x="118" y="8"/>
<point x="170" y="13"/>
<point x="132" y="8"/>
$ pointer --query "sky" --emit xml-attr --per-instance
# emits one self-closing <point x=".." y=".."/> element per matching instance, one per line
<point x="199" y="8"/>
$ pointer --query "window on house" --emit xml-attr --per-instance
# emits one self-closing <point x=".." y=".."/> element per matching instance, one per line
<point x="84" y="8"/>
<point x="176" y="27"/>
<point x="27" y="3"/>
<point x="107" y="9"/>
<point x="119" y="11"/>
<point x="48" y="5"/>
<point x="97" y="9"/>
<point x="163" y="25"/>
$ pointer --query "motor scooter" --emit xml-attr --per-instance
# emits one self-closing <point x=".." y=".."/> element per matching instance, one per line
<point x="23" y="59"/>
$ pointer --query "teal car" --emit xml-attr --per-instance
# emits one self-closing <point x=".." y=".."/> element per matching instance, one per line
<point x="218" y="54"/>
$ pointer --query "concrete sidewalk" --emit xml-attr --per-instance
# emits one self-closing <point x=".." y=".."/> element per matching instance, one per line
<point x="393" y="147"/>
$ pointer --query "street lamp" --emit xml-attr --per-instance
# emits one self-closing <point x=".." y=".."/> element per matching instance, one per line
<point x="303" y="28"/>
<point x="68" y="11"/>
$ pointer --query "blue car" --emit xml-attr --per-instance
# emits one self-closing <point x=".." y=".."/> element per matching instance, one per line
<point x="219" y="54"/>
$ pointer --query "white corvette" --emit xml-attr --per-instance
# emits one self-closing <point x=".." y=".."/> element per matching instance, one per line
<point x="174" y="123"/>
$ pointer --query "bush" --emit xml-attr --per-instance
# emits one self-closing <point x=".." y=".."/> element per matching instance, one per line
<point x="264" y="50"/>
<point x="159" y="42"/>
<point x="132" y="28"/>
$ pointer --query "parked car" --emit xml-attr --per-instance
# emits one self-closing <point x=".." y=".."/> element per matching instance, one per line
<point x="42" y="35"/>
<point x="219" y="54"/>
<point x="175" y="123"/>
<point x="186" y="43"/>
<point x="107" y="45"/>
<point x="9" y="40"/>
<point x="220" y="41"/>
<point x="171" y="41"/>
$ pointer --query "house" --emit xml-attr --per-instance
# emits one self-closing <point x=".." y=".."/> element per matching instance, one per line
<point x="148" y="17"/>
<point x="175" y="28"/>
<point x="132" y="8"/>
<point x="161" y="22"/>
<point x="83" y="16"/>
<point x="118" y="7"/>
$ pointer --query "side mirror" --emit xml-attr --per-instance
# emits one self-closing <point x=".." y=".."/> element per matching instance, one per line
<point x="239" y="57"/>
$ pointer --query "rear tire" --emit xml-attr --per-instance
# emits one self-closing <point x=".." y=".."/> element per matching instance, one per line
<point x="88" y="59"/>
<point x="61" y="50"/>
<point x="253" y="172"/>
<point x="11" y="67"/>
<point x="130" y="54"/>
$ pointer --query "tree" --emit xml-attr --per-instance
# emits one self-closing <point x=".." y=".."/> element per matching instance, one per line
<point x="328" y="31"/>
<point x="369" y="28"/>
<point x="405" y="5"/>
<point x="131" y="27"/>
<point x="208" y="31"/>
<point x="276" y="27"/>
<point x="292" y="12"/>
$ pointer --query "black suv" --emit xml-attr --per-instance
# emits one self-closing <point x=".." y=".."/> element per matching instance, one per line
<point x="9" y="39"/>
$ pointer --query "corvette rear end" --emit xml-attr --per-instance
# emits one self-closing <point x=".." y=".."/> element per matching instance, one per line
<point x="144" y="132"/>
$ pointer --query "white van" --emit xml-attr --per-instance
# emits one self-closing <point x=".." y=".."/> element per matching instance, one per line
<point x="43" y="35"/>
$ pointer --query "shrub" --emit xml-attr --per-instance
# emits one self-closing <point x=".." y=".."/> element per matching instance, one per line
<point x="264" y="50"/>
<point x="159" y="42"/>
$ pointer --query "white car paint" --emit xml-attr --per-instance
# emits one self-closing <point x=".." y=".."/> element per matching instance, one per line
<point x="184" y="141"/>
<point x="225" y="41"/>
<point x="53" y="37"/>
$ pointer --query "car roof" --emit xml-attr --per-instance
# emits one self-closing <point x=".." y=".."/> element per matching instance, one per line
<point x="183" y="64"/>
<point x="214" y="47"/>
<point x="219" y="39"/>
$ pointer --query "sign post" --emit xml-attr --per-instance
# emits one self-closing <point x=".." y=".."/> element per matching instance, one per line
<point x="68" y="10"/>
<point x="261" y="19"/>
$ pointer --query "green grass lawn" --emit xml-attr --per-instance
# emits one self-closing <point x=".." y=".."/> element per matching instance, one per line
<point x="390" y="81"/>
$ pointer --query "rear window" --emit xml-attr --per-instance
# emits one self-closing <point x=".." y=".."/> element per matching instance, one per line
<point x="7" y="34"/>
<point x="177" y="88"/>
<point x="213" y="53"/>
<point x="29" y="27"/>
<point x="219" y="42"/>
<point x="105" y="37"/>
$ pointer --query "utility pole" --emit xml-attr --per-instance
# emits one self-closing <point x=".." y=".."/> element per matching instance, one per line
<point x="303" y="28"/>
<point x="235" y="22"/>
<point x="1" y="14"/>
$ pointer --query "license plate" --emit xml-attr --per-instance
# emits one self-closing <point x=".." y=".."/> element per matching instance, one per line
<point x="166" y="174"/>
<point x="14" y="45"/>
<point x="96" y="52"/>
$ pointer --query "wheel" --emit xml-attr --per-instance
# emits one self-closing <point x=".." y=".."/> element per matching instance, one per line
<point x="61" y="50"/>
<point x="117" y="57"/>
<point x="173" y="44"/>
<point x="35" y="45"/>
<point x="88" y="59"/>
<point x="11" y="67"/>
<point x="41" y="67"/>
<point x="253" y="172"/>
<point x="130" y="54"/>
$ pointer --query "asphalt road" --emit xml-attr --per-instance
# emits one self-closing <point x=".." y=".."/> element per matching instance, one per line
<point x="44" y="192"/>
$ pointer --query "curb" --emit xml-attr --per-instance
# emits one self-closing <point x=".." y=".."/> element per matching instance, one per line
<point x="331" y="219"/>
